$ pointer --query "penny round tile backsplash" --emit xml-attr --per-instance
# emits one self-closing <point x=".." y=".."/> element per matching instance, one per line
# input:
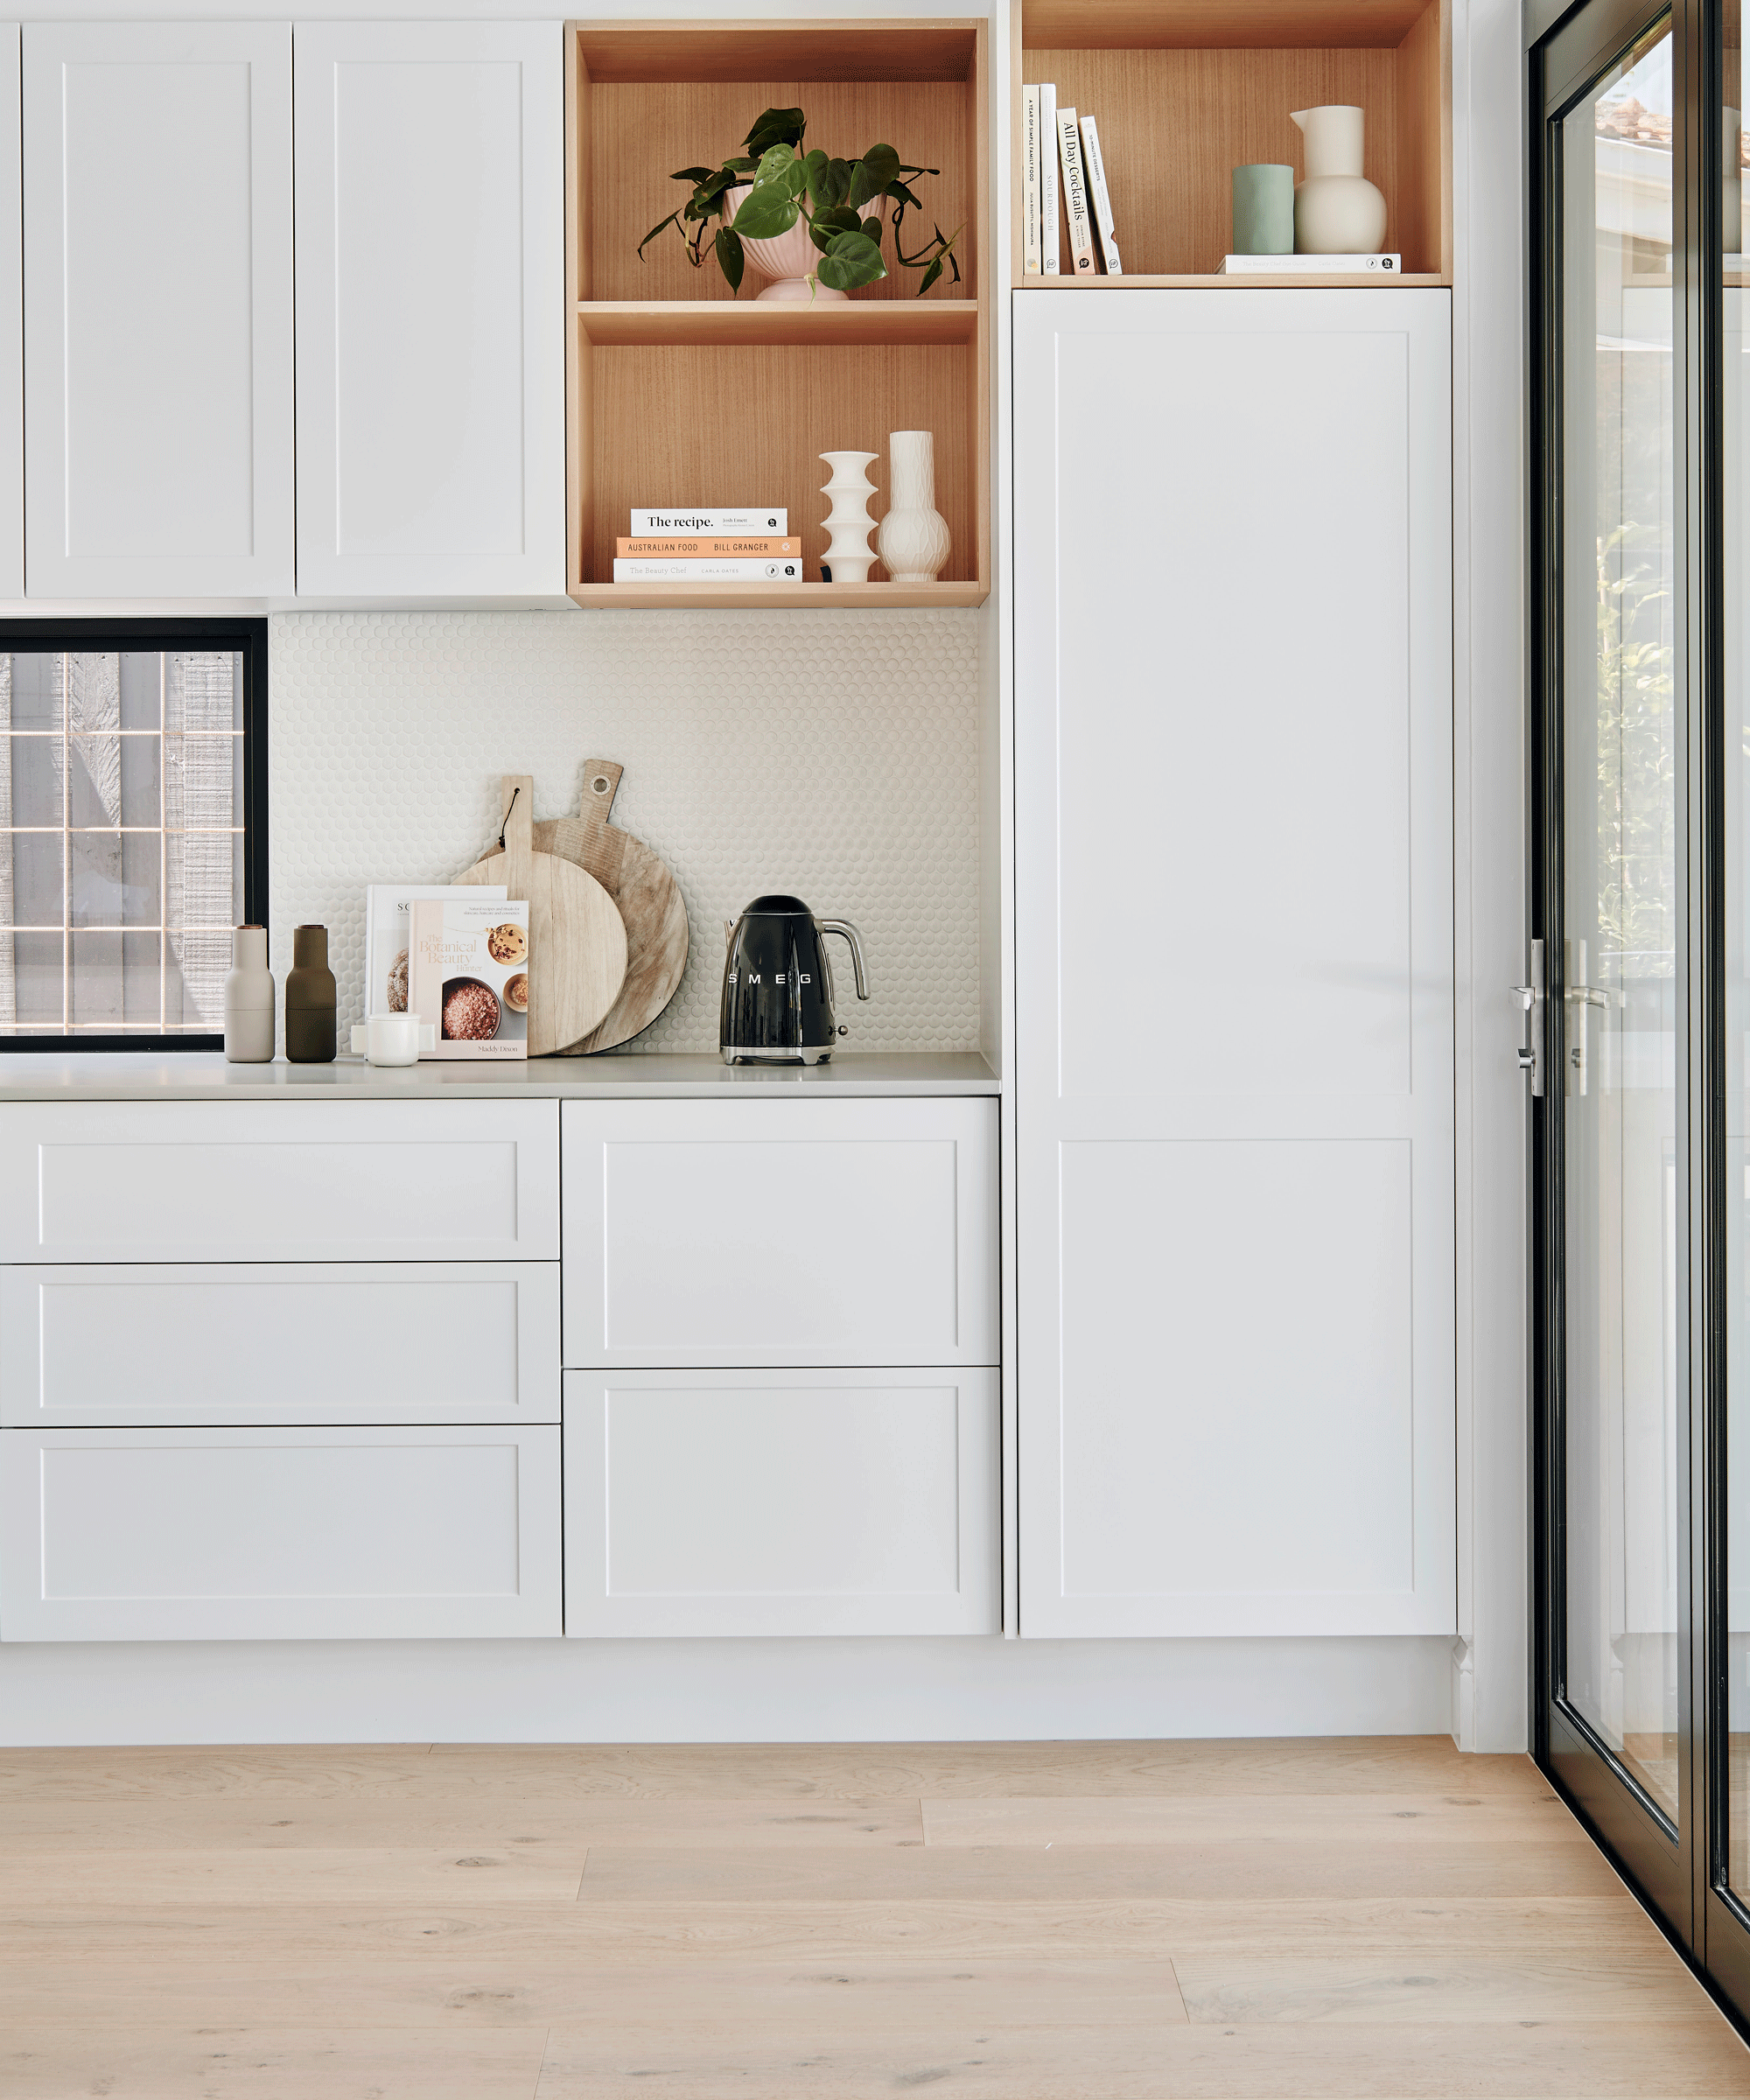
<point x="832" y="754"/>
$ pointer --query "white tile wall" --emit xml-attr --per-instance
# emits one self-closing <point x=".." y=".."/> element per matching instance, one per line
<point x="832" y="754"/>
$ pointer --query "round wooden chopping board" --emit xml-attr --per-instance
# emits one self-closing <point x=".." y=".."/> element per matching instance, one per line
<point x="577" y="939"/>
<point x="649" y="900"/>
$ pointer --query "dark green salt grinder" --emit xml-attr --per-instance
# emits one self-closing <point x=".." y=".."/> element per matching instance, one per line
<point x="310" y="999"/>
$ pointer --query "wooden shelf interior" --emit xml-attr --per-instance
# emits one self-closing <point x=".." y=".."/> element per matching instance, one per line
<point x="1187" y="90"/>
<point x="703" y="423"/>
<point x="684" y="95"/>
<point x="681" y="393"/>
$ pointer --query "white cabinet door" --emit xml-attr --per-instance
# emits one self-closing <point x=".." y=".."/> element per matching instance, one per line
<point x="430" y="308"/>
<point x="787" y="1232"/>
<point x="279" y="1534"/>
<point x="279" y="1181"/>
<point x="12" y="318"/>
<point x="782" y="1503"/>
<point x="158" y="324"/>
<point x="264" y="1343"/>
<point x="1235" y="1112"/>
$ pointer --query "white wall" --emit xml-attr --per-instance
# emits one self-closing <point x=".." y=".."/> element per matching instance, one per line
<point x="833" y="754"/>
<point x="1492" y="1683"/>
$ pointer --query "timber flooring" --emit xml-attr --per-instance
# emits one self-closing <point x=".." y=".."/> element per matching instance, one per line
<point x="1372" y="1920"/>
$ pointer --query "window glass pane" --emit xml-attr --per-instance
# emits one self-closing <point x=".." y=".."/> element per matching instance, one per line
<point x="122" y="839"/>
<point x="1618" y="968"/>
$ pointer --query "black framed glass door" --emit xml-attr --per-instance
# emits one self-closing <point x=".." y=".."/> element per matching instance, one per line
<point x="1640" y="975"/>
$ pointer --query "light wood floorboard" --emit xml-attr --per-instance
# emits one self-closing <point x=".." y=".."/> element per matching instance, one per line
<point x="1318" y="1921"/>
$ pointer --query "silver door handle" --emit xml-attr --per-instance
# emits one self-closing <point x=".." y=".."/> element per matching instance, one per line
<point x="1530" y="998"/>
<point x="1587" y="995"/>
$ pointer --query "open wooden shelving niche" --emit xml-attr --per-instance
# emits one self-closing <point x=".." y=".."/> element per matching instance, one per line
<point x="678" y="392"/>
<point x="1187" y="90"/>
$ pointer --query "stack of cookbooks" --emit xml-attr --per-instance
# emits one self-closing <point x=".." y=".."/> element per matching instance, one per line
<point x="702" y="546"/>
<point x="1052" y="139"/>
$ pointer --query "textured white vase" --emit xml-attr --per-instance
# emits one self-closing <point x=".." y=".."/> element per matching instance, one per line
<point x="913" y="540"/>
<point x="849" y="523"/>
<point x="788" y="261"/>
<point x="1337" y="211"/>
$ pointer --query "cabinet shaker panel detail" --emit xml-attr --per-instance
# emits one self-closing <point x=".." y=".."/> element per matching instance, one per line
<point x="289" y="1533"/>
<point x="158" y="309"/>
<point x="1234" y="1218"/>
<point x="430" y="451"/>
<point x="279" y="1181"/>
<point x="791" y="1232"/>
<point x="782" y="1503"/>
<point x="11" y="318"/>
<point x="268" y="1344"/>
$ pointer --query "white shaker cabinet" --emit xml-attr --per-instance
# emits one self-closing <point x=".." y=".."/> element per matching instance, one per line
<point x="430" y="333"/>
<point x="1235" y="1110"/>
<point x="11" y="320"/>
<point x="158" y="309"/>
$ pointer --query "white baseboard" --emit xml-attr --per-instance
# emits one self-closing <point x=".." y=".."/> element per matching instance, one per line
<point x="767" y="1691"/>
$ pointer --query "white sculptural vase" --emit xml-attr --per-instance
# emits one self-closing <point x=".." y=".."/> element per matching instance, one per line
<point x="788" y="260"/>
<point x="913" y="540"/>
<point x="1337" y="211"/>
<point x="847" y="558"/>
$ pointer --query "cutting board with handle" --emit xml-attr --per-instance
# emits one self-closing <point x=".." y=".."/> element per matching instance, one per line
<point x="577" y="939"/>
<point x="649" y="900"/>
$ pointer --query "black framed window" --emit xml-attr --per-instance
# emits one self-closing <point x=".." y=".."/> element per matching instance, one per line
<point x="133" y="827"/>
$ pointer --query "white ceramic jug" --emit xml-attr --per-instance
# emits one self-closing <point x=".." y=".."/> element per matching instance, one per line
<point x="1337" y="211"/>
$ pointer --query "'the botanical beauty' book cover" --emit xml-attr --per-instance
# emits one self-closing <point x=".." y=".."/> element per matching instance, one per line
<point x="470" y="976"/>
<point x="388" y="936"/>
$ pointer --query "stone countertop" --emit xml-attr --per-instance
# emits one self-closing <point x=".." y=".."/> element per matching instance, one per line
<point x="204" y="1075"/>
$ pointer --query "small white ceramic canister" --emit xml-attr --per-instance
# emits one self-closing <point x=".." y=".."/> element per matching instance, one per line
<point x="394" y="1038"/>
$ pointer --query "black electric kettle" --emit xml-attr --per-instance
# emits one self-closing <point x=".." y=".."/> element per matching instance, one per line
<point x="777" y="983"/>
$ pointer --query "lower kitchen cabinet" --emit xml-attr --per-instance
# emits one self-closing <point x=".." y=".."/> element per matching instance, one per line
<point x="817" y="1501"/>
<point x="780" y="1232"/>
<point x="271" y="1344"/>
<point x="289" y="1533"/>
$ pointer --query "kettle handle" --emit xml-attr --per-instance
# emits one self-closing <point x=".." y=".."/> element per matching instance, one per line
<point x="851" y="934"/>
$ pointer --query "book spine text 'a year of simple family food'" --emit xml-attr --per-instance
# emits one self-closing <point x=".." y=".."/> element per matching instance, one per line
<point x="1029" y="185"/>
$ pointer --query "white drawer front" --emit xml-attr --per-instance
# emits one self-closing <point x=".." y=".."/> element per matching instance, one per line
<point x="800" y="1233"/>
<point x="292" y="1534"/>
<point x="782" y="1503"/>
<point x="227" y="1181"/>
<point x="260" y="1343"/>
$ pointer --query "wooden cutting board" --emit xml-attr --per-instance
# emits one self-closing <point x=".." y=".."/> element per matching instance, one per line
<point x="577" y="939"/>
<point x="649" y="897"/>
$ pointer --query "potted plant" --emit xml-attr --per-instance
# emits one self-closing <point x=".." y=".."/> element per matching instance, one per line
<point x="811" y="223"/>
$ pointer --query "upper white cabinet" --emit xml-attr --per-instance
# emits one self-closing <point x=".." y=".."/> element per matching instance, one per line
<point x="1235" y="1120"/>
<point x="157" y="309"/>
<point x="11" y="321"/>
<point x="430" y="379"/>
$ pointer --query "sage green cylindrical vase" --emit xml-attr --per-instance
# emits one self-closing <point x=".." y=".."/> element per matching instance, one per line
<point x="310" y="999"/>
<point x="1264" y="210"/>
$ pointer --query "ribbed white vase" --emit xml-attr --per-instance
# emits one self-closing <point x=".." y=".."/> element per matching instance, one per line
<point x="913" y="540"/>
<point x="788" y="260"/>
<point x="849" y="523"/>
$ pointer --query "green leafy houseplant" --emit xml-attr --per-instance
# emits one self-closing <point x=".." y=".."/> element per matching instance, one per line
<point x="834" y="197"/>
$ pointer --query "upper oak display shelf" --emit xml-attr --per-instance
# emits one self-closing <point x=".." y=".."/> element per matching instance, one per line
<point x="678" y="392"/>
<point x="1187" y="90"/>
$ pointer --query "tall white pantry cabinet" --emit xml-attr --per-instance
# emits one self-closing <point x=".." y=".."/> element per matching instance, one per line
<point x="1234" y="913"/>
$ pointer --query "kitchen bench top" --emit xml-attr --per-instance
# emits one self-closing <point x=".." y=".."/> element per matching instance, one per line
<point x="204" y="1075"/>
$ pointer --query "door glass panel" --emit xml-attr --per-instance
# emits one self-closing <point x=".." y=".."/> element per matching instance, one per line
<point x="1735" y="888"/>
<point x="1617" y="1026"/>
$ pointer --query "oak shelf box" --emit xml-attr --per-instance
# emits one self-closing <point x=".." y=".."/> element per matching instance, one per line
<point x="1187" y="90"/>
<point x="677" y="391"/>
